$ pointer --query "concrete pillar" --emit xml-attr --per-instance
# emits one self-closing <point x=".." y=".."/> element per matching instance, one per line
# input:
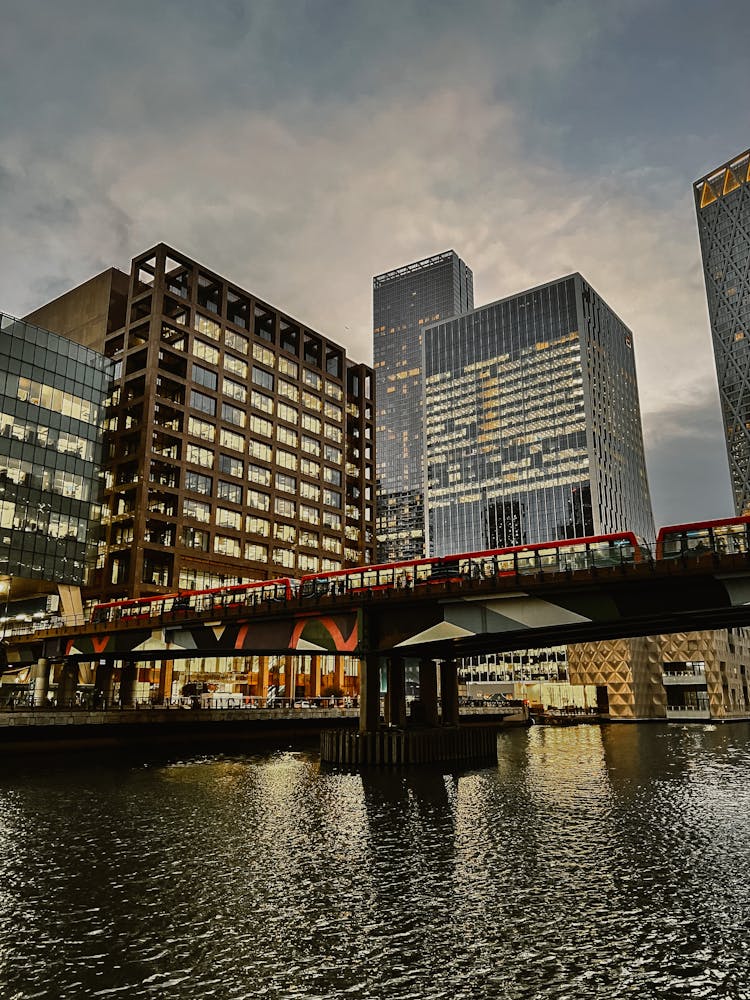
<point x="396" y="697"/>
<point x="369" y="693"/>
<point x="315" y="676"/>
<point x="66" y="688"/>
<point x="40" y="677"/>
<point x="166" y="669"/>
<point x="428" y="692"/>
<point x="262" y="688"/>
<point x="338" y="673"/>
<point x="128" y="678"/>
<point x="103" y="684"/>
<point x="449" y="692"/>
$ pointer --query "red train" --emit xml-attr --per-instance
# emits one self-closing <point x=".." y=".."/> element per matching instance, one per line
<point x="724" y="536"/>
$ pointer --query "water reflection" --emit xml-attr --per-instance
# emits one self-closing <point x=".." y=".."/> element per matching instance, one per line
<point x="587" y="863"/>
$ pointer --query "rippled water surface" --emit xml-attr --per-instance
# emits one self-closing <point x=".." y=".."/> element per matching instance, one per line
<point x="587" y="863"/>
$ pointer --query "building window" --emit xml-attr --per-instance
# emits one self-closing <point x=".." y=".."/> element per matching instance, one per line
<point x="332" y="476"/>
<point x="309" y="538"/>
<point x="196" y="455"/>
<point x="308" y="563"/>
<point x="228" y="439"/>
<point x="236" y="341"/>
<point x="199" y="401"/>
<point x="231" y="466"/>
<point x="308" y="514"/>
<point x="261" y="402"/>
<point x="285" y="532"/>
<point x="261" y="450"/>
<point x="286" y="459"/>
<point x="259" y="500"/>
<point x="288" y="391"/>
<point x="288" y="413"/>
<point x="233" y="415"/>
<point x="255" y="552"/>
<point x="286" y="508"/>
<point x="288" y="484"/>
<point x="198" y="484"/>
<point x="285" y="435"/>
<point x="236" y="366"/>
<point x="309" y="491"/>
<point x="288" y="367"/>
<point x="229" y="491"/>
<point x="310" y="445"/>
<point x="234" y="390"/>
<point x="194" y="538"/>
<point x="284" y="557"/>
<point x="201" y="429"/>
<point x="257" y="526"/>
<point x="258" y="474"/>
<point x="226" y="518"/>
<point x="208" y="327"/>
<point x="206" y="352"/>
<point x="204" y="377"/>
<point x="309" y="468"/>
<point x="262" y="378"/>
<point x="264" y="355"/>
<point x="225" y="546"/>
<point x="261" y="426"/>
<point x="196" y="510"/>
<point x="331" y="498"/>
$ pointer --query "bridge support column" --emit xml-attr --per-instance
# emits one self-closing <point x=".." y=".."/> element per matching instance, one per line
<point x="369" y="693"/>
<point x="395" y="702"/>
<point x="40" y="677"/>
<point x="103" y="684"/>
<point x="428" y="692"/>
<point x="128" y="678"/>
<point x="338" y="675"/>
<point x="262" y="687"/>
<point x="449" y="692"/>
<point x="66" y="688"/>
<point x="166" y="669"/>
<point x="315" y="676"/>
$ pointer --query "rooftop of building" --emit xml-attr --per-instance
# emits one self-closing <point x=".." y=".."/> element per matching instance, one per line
<point x="419" y="265"/>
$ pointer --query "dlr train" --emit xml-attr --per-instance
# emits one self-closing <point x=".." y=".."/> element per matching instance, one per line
<point x="725" y="536"/>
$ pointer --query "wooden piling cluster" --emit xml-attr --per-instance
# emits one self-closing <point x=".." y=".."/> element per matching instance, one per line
<point x="397" y="747"/>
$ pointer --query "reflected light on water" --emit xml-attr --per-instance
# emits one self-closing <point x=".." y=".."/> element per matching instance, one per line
<point x="589" y="862"/>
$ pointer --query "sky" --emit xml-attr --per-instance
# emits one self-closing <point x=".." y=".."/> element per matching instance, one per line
<point x="299" y="147"/>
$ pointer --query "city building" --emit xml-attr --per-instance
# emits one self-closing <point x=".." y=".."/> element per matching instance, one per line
<point x="685" y="677"/>
<point x="722" y="203"/>
<point x="404" y="300"/>
<point x="240" y="443"/>
<point x="53" y="393"/>
<point x="532" y="423"/>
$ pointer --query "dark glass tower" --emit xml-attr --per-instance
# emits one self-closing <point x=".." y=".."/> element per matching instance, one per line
<point x="404" y="300"/>
<point x="722" y="203"/>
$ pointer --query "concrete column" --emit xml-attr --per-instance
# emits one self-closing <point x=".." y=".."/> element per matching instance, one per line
<point x="66" y="688"/>
<point x="262" y="677"/>
<point x="449" y="692"/>
<point x="338" y="673"/>
<point x="369" y="693"/>
<point x="428" y="692"/>
<point x="166" y="669"/>
<point x="315" y="676"/>
<point x="128" y="678"/>
<point x="40" y="677"/>
<point x="103" y="684"/>
<point x="396" y="697"/>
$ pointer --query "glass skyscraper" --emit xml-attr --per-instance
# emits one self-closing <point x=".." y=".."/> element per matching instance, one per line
<point x="532" y="423"/>
<point x="722" y="203"/>
<point x="404" y="301"/>
<point x="52" y="402"/>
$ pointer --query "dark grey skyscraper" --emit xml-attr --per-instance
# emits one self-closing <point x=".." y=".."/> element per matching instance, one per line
<point x="532" y="423"/>
<point x="722" y="202"/>
<point x="404" y="300"/>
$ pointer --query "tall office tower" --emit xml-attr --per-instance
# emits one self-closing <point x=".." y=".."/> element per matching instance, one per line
<point x="532" y="423"/>
<point x="722" y="203"/>
<point x="240" y="442"/>
<point x="52" y="398"/>
<point x="404" y="300"/>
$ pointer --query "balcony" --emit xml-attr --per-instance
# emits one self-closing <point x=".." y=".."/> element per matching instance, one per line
<point x="685" y="713"/>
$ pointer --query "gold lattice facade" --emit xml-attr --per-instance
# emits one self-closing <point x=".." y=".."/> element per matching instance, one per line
<point x="687" y="676"/>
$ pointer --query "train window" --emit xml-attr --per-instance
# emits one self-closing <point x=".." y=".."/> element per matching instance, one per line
<point x="548" y="559"/>
<point x="526" y="561"/>
<point x="730" y="539"/>
<point x="672" y="546"/>
<point x="573" y="557"/>
<point x="698" y="541"/>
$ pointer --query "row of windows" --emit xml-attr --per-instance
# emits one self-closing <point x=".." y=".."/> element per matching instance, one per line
<point x="265" y="404"/>
<point x="288" y="533"/>
<point x="63" y="442"/>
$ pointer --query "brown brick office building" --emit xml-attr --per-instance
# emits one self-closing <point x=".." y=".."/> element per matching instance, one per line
<point x="240" y="444"/>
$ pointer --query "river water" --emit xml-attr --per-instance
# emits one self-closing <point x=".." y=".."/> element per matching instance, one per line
<point x="589" y="862"/>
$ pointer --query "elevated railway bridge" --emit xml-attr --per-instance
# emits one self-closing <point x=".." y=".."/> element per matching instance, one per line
<point x="436" y="623"/>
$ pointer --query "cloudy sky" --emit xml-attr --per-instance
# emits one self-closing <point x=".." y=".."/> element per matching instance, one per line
<point x="301" y="146"/>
